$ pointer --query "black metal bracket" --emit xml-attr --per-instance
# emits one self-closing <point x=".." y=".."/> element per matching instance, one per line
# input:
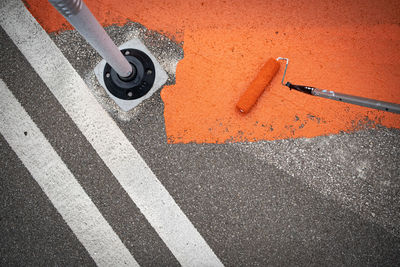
<point x="300" y="88"/>
<point x="138" y="83"/>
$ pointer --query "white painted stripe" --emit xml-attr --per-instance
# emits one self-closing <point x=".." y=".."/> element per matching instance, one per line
<point x="107" y="139"/>
<point x="59" y="184"/>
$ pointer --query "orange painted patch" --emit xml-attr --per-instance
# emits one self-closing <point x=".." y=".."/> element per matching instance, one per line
<point x="219" y="65"/>
<point x="351" y="47"/>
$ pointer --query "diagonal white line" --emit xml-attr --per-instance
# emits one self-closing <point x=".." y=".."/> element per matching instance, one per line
<point x="154" y="201"/>
<point x="59" y="184"/>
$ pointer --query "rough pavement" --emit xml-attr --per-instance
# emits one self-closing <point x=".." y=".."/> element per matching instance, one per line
<point x="330" y="200"/>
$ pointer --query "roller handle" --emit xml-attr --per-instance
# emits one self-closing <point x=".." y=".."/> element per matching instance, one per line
<point x="356" y="100"/>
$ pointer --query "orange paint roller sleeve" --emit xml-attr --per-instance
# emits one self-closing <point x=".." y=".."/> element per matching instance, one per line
<point x="257" y="86"/>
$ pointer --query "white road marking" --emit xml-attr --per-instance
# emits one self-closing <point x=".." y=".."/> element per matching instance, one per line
<point x="154" y="201"/>
<point x="59" y="184"/>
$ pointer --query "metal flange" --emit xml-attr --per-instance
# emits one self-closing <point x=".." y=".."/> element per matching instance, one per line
<point x="159" y="73"/>
<point x="138" y="83"/>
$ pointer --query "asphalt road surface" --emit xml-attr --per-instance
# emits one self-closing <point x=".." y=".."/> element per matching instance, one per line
<point x="83" y="183"/>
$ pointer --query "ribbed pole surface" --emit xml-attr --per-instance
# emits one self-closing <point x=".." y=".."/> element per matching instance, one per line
<point x="78" y="14"/>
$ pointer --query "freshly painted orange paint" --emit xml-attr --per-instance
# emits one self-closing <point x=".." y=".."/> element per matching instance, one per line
<point x="351" y="47"/>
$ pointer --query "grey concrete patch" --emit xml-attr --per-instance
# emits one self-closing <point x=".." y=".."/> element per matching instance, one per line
<point x="360" y="169"/>
<point x="84" y="58"/>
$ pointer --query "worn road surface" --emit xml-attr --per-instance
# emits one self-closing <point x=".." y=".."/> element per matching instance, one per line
<point x="84" y="183"/>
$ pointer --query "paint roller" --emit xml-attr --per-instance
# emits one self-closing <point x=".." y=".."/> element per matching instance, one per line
<point x="270" y="69"/>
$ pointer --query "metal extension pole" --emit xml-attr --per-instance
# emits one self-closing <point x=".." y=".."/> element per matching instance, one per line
<point x="78" y="14"/>
<point x="356" y="100"/>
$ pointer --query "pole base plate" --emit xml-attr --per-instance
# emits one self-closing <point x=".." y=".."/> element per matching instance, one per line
<point x="138" y="83"/>
<point x="147" y="77"/>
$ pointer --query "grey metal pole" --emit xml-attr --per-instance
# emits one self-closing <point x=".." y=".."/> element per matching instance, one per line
<point x="78" y="14"/>
<point x="357" y="100"/>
